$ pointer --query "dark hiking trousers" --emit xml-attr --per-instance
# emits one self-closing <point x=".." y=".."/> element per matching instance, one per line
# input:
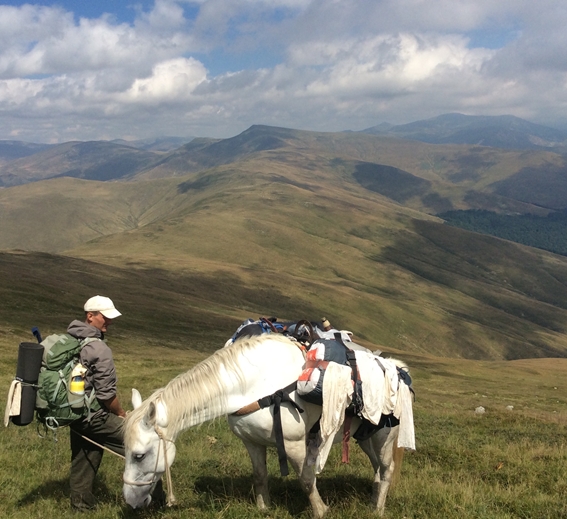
<point x="105" y="429"/>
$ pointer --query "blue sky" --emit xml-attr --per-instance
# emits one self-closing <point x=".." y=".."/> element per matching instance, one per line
<point x="123" y="10"/>
<point x="82" y="70"/>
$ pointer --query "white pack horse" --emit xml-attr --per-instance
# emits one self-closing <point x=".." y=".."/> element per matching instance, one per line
<point x="229" y="380"/>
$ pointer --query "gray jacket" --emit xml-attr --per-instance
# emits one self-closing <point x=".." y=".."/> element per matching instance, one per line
<point x="96" y="356"/>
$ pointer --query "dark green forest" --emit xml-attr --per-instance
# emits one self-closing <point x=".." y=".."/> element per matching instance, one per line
<point x="544" y="232"/>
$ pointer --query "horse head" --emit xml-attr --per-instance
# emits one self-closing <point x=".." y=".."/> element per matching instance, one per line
<point x="149" y="452"/>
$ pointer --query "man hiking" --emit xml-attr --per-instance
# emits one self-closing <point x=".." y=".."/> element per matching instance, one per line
<point x="104" y="420"/>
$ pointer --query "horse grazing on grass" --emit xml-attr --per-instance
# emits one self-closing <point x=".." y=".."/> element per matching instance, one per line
<point x="230" y="379"/>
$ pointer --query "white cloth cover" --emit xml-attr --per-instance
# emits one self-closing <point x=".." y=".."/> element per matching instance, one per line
<point x="404" y="412"/>
<point x="337" y="391"/>
<point x="14" y="401"/>
<point x="330" y="334"/>
<point x="383" y="393"/>
<point x="375" y="392"/>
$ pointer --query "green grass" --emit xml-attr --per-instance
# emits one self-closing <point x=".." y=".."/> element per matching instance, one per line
<point x="500" y="465"/>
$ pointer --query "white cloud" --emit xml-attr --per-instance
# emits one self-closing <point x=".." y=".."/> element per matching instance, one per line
<point x="327" y="65"/>
<point x="172" y="80"/>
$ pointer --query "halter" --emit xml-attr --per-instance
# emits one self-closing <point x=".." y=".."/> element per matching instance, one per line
<point x="170" y="497"/>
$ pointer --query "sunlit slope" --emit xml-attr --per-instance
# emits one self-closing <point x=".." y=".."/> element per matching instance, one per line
<point x="58" y="214"/>
<point x="396" y="276"/>
<point x="427" y="178"/>
<point x="448" y="176"/>
<point x="307" y="238"/>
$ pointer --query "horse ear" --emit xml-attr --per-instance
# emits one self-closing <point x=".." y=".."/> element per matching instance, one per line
<point x="136" y="398"/>
<point x="149" y="419"/>
<point x="161" y="417"/>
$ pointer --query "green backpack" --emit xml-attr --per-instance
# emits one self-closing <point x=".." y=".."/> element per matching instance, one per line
<point x="55" y="405"/>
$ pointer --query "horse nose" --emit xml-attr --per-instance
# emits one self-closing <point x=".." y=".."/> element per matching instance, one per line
<point x="144" y="504"/>
<point x="135" y="500"/>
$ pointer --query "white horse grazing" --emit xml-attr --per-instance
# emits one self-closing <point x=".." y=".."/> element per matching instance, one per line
<point x="230" y="379"/>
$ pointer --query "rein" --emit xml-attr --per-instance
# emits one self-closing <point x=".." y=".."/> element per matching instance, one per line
<point x="170" y="497"/>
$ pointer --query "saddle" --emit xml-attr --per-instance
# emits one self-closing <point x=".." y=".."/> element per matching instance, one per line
<point x="303" y="331"/>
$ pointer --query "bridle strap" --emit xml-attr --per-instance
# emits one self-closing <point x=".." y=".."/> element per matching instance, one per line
<point x="170" y="497"/>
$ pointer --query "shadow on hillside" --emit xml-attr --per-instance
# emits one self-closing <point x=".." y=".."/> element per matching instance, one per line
<point x="45" y="290"/>
<point x="284" y="492"/>
<point x="59" y="489"/>
<point x="500" y="296"/>
<point x="48" y="490"/>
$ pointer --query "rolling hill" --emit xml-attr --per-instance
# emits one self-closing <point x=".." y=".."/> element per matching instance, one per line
<point x="162" y="144"/>
<point x="97" y="160"/>
<point x="442" y="176"/>
<point x="300" y="224"/>
<point x="12" y="150"/>
<point x="452" y="176"/>
<point x="295" y="224"/>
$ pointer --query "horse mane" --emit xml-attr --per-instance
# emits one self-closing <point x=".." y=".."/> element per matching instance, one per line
<point x="202" y="386"/>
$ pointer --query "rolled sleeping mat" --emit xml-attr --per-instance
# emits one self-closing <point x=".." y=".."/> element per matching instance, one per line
<point x="27" y="372"/>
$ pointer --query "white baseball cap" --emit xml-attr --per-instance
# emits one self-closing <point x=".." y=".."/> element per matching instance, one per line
<point x="102" y="304"/>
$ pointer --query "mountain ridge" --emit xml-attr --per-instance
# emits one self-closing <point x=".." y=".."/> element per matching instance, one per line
<point x="337" y="224"/>
<point x="499" y="131"/>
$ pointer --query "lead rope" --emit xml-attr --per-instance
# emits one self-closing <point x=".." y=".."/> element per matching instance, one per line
<point x="170" y="497"/>
<point x="98" y="445"/>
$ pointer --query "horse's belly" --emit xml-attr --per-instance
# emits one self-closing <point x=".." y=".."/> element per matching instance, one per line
<point x="258" y="427"/>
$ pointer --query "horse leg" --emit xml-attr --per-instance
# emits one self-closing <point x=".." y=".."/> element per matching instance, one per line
<point x="297" y="456"/>
<point x="380" y="449"/>
<point x="260" y="473"/>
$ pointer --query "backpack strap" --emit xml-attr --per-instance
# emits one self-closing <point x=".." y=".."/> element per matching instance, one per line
<point x="88" y="400"/>
<point x="86" y="340"/>
<point x="91" y="399"/>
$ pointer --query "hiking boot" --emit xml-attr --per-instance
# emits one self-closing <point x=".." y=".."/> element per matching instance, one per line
<point x="83" y="502"/>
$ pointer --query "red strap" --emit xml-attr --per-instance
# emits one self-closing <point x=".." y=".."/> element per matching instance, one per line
<point x="346" y="438"/>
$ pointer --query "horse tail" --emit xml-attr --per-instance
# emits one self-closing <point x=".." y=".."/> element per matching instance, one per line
<point x="398" y="458"/>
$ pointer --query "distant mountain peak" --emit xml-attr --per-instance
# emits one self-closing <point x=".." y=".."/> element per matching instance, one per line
<point x="497" y="131"/>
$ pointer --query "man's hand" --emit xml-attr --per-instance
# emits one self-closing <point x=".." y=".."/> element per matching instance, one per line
<point x="113" y="405"/>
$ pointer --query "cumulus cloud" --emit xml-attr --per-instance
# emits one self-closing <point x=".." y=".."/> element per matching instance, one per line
<point x="311" y="64"/>
<point x="170" y="80"/>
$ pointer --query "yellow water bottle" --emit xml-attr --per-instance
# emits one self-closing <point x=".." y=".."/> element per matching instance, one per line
<point x="77" y="385"/>
<point x="76" y="394"/>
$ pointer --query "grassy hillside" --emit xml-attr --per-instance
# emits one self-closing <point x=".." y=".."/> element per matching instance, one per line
<point x="394" y="276"/>
<point x="502" y="464"/>
<point x="450" y="176"/>
<point x="59" y="214"/>
<point x="456" y="176"/>
<point x="97" y="160"/>
<point x="300" y="228"/>
<point x="159" y="307"/>
<point x="427" y="178"/>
